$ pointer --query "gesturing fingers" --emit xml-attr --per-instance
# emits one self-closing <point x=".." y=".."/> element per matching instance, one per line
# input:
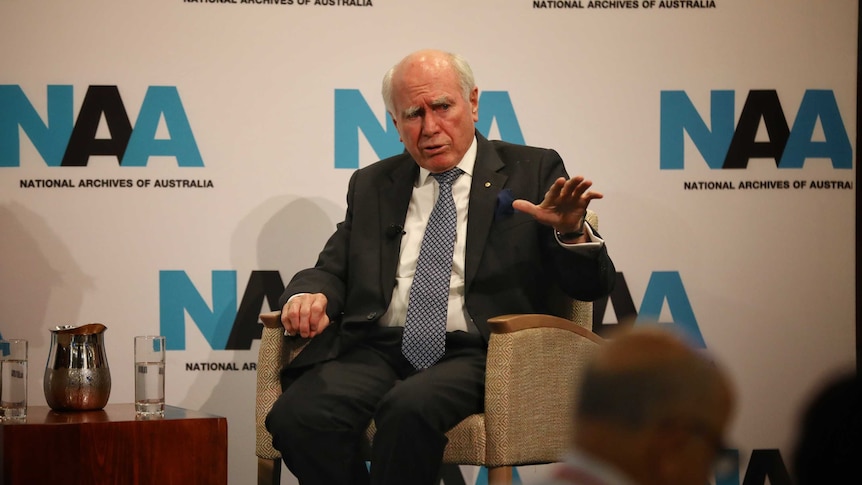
<point x="564" y="204"/>
<point x="564" y="195"/>
<point x="554" y="194"/>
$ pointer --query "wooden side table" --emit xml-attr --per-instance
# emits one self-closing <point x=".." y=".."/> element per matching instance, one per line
<point x="114" y="446"/>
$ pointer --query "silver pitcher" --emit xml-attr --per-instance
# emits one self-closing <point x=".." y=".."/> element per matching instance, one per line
<point x="77" y="377"/>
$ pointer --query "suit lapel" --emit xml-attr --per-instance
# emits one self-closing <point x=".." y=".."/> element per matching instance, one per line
<point x="488" y="181"/>
<point x="394" y="197"/>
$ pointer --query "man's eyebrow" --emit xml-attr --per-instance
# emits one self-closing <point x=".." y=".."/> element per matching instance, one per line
<point x="441" y="100"/>
<point x="411" y="111"/>
<point x="414" y="110"/>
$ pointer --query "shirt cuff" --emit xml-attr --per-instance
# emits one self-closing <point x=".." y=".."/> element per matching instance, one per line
<point x="592" y="246"/>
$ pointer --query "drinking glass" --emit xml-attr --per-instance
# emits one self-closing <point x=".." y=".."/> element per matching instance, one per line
<point x="13" y="379"/>
<point x="150" y="375"/>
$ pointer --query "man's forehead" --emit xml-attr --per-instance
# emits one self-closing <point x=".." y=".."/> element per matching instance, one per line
<point x="426" y="75"/>
<point x="423" y="63"/>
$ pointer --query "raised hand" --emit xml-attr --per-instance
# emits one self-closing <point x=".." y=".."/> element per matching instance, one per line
<point x="565" y="204"/>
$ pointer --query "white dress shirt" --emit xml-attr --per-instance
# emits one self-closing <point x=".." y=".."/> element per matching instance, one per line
<point x="425" y="191"/>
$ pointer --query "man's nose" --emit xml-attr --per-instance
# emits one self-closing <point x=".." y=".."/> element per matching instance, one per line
<point x="430" y="124"/>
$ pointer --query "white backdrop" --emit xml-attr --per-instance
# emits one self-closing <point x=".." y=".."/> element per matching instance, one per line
<point x="765" y="275"/>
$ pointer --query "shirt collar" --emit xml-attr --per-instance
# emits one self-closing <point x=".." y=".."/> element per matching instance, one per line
<point x="599" y="469"/>
<point x="466" y="164"/>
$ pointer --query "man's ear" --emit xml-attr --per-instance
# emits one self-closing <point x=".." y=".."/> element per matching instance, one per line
<point x="395" y="124"/>
<point x="474" y="103"/>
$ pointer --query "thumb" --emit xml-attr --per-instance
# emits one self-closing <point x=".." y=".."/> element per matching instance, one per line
<point x="525" y="206"/>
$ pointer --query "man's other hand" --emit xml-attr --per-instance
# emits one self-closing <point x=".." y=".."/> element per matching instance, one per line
<point x="305" y="315"/>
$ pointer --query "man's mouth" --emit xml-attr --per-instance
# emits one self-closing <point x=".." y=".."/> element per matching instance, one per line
<point x="433" y="149"/>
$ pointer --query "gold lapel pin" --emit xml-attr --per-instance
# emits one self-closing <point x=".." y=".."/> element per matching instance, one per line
<point x="487" y="184"/>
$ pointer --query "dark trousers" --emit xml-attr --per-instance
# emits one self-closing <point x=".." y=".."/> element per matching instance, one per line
<point x="319" y="421"/>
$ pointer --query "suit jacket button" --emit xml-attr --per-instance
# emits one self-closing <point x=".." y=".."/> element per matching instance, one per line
<point x="371" y="316"/>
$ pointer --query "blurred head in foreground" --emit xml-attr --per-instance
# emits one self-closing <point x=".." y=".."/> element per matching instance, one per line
<point x="654" y="408"/>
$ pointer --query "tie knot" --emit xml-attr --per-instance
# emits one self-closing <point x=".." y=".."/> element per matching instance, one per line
<point x="448" y="177"/>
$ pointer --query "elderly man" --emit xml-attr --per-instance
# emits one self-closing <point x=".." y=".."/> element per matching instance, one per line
<point x="652" y="411"/>
<point x="435" y="241"/>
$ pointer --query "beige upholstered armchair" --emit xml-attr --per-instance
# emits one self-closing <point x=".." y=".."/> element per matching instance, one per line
<point x="534" y="366"/>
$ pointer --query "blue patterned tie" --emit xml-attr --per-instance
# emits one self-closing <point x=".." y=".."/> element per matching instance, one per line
<point x="424" y="340"/>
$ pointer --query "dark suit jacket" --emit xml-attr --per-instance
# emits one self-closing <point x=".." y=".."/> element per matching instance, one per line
<point x="511" y="261"/>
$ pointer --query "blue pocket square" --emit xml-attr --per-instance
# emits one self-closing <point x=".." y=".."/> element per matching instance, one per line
<point x="504" y="204"/>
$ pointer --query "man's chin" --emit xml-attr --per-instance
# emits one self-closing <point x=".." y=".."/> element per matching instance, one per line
<point x="438" y="163"/>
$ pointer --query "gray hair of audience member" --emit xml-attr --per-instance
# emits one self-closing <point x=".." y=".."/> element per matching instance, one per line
<point x="634" y="386"/>
<point x="462" y="69"/>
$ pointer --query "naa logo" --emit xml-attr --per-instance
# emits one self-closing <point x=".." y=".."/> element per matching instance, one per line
<point x="730" y="145"/>
<point x="64" y="140"/>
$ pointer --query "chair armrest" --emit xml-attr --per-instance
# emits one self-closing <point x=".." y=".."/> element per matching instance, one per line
<point x="535" y="364"/>
<point x="292" y="346"/>
<point x="268" y="384"/>
<point x="517" y="322"/>
<point x="271" y="320"/>
<point x="276" y="350"/>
